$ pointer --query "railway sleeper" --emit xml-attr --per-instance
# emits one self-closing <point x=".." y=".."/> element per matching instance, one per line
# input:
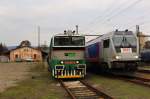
<point x="92" y="93"/>
<point x="86" y="91"/>
<point x="90" y="98"/>
<point x="87" y="97"/>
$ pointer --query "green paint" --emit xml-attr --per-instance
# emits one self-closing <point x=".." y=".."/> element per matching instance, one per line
<point x="70" y="54"/>
<point x="55" y="62"/>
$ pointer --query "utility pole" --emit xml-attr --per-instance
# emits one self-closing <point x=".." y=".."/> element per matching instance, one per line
<point x="38" y="36"/>
<point x="138" y="35"/>
<point x="77" y="29"/>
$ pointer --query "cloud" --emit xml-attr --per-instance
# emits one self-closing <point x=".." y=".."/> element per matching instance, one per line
<point x="19" y="18"/>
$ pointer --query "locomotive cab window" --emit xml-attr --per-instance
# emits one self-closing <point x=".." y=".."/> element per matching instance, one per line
<point x="106" y="43"/>
<point x="69" y="41"/>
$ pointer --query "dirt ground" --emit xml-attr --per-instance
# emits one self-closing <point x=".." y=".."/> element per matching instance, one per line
<point x="29" y="81"/>
<point x="11" y="73"/>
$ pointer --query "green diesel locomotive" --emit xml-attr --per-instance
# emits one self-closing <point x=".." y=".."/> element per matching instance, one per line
<point x="66" y="57"/>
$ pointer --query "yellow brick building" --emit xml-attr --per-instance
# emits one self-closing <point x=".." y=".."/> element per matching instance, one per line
<point x="25" y="54"/>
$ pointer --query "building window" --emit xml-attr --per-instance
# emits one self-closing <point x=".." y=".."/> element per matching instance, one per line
<point x="35" y="56"/>
<point x="16" y="56"/>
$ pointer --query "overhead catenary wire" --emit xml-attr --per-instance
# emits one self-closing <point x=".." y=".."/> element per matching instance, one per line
<point x="141" y="24"/>
<point x="125" y="9"/>
<point x="134" y="22"/>
<point x="122" y="11"/>
<point x="112" y="15"/>
<point x="106" y="13"/>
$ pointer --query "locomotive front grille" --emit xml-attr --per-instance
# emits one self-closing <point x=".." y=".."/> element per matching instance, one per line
<point x="81" y="66"/>
<point x="69" y="73"/>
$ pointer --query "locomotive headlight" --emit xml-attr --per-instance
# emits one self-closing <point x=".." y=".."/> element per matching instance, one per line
<point x="118" y="57"/>
<point x="77" y="62"/>
<point x="61" y="62"/>
<point x="136" y="56"/>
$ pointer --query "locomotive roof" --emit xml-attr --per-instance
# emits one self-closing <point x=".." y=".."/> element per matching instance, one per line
<point x="107" y="35"/>
<point x="68" y="35"/>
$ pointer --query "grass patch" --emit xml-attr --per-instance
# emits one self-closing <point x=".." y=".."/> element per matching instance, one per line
<point x="120" y="89"/>
<point x="39" y="85"/>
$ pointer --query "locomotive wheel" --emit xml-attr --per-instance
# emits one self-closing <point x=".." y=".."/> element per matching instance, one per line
<point x="104" y="67"/>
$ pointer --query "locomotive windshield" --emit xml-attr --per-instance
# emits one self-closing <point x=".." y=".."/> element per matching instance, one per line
<point x="69" y="41"/>
<point x="125" y="41"/>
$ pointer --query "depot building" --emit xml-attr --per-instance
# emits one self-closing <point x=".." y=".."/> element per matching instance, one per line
<point x="24" y="52"/>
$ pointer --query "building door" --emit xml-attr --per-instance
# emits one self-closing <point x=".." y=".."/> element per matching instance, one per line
<point x="35" y="56"/>
<point x="16" y="56"/>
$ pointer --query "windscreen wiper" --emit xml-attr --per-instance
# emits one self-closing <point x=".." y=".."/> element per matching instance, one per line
<point x="124" y="42"/>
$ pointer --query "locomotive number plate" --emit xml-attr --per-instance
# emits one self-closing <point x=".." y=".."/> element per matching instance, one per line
<point x="126" y="50"/>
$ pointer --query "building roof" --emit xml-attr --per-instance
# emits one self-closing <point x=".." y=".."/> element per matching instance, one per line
<point x="25" y="46"/>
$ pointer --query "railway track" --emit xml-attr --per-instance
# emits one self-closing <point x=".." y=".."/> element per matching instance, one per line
<point x="141" y="78"/>
<point x="140" y="82"/>
<point x="82" y="90"/>
<point x="144" y="71"/>
<point x="136" y="78"/>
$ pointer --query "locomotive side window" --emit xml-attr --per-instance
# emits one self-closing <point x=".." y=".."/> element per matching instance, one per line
<point x="106" y="43"/>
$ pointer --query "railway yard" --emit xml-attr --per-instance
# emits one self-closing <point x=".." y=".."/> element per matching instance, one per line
<point x="33" y="81"/>
<point x="73" y="49"/>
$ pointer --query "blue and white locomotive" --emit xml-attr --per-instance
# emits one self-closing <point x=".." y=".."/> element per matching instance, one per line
<point x="114" y="50"/>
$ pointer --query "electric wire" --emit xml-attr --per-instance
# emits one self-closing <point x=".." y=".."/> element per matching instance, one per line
<point x="105" y="13"/>
<point x="122" y="11"/>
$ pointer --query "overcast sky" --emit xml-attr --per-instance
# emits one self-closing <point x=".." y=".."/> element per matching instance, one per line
<point x="19" y="18"/>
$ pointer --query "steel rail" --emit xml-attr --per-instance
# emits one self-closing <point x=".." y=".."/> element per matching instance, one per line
<point x="83" y="90"/>
<point x="96" y="90"/>
<point x="143" y="71"/>
<point x="68" y="91"/>
<point x="134" y="79"/>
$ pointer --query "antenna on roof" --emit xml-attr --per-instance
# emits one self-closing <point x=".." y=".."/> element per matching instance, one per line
<point x="38" y="36"/>
<point x="126" y="30"/>
<point x="77" y="29"/>
<point x="65" y="32"/>
<point x="73" y="32"/>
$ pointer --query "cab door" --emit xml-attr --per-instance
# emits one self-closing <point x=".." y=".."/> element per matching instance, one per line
<point x="106" y="50"/>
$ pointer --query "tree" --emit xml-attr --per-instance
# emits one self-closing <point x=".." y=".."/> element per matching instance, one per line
<point x="3" y="49"/>
<point x="25" y="43"/>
